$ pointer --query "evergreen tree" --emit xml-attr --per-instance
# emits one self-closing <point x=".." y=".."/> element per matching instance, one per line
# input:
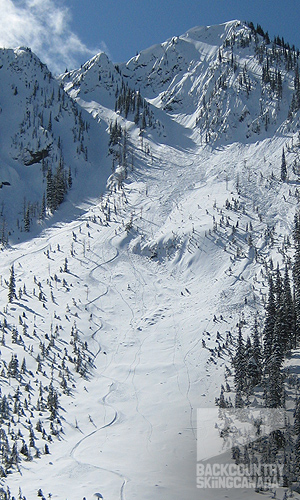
<point x="24" y="450"/>
<point x="277" y="347"/>
<point x="273" y="345"/>
<point x="59" y="183"/>
<point x="280" y="336"/>
<point x="239" y="402"/>
<point x="12" y="285"/>
<point x="4" y="450"/>
<point x="23" y="366"/>
<point x="273" y="380"/>
<point x="296" y="278"/>
<point x="248" y="349"/>
<point x="296" y="78"/>
<point x="288" y="332"/>
<point x="257" y="351"/>
<point x="274" y="388"/>
<point x="4" y="408"/>
<point x="253" y="374"/>
<point x="283" y="174"/>
<point x="279" y="86"/>
<point x="27" y="221"/>
<point x="52" y="402"/>
<point x="221" y="402"/>
<point x="115" y="134"/>
<point x="144" y="124"/>
<point x="50" y="122"/>
<point x="137" y="106"/>
<point x="50" y="190"/>
<point x="278" y="288"/>
<point x="66" y="270"/>
<point x="14" y="456"/>
<point x="13" y="366"/>
<point x="297" y="418"/>
<point x="70" y="180"/>
<point x="239" y="363"/>
<point x="297" y="458"/>
<point x="43" y="208"/>
<point x="269" y="327"/>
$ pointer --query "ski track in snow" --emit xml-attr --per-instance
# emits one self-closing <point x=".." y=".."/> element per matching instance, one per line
<point x="105" y="263"/>
<point x="114" y="419"/>
<point x="89" y="436"/>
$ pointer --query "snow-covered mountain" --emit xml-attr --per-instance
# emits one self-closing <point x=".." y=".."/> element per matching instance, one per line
<point x="215" y="78"/>
<point x="128" y="292"/>
<point x="41" y="127"/>
<point x="226" y="79"/>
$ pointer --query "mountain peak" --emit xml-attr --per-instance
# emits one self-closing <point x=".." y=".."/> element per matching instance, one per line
<point x="214" y="33"/>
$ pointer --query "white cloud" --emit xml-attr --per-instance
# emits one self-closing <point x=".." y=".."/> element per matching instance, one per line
<point x="44" y="26"/>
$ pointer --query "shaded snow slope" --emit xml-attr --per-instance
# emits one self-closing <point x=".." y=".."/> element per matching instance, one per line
<point x="42" y="127"/>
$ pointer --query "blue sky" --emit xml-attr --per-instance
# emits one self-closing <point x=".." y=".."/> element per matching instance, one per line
<point x="65" y="33"/>
<point x="130" y="26"/>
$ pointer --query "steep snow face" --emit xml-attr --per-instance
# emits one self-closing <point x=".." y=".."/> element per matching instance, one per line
<point x="41" y="128"/>
<point x="169" y="69"/>
<point x="213" y="81"/>
<point x="97" y="80"/>
<point x="165" y="72"/>
<point x="159" y="69"/>
<point x="222" y="83"/>
<point x="213" y="34"/>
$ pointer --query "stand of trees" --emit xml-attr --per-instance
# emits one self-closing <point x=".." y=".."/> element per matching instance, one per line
<point x="259" y="375"/>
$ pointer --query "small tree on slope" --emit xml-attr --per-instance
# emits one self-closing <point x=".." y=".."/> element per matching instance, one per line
<point x="12" y="285"/>
<point x="283" y="167"/>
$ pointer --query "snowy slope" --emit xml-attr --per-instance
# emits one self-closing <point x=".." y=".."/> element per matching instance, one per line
<point x="98" y="78"/>
<point x="129" y="431"/>
<point x="161" y="267"/>
<point x="41" y="127"/>
<point x="210" y="79"/>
